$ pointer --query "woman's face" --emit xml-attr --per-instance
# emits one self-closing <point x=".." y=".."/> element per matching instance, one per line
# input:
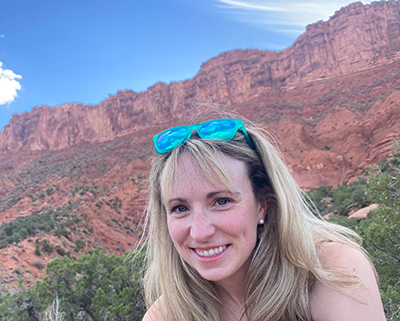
<point x="214" y="228"/>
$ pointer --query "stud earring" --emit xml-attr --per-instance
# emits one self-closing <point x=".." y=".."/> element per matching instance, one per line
<point x="261" y="222"/>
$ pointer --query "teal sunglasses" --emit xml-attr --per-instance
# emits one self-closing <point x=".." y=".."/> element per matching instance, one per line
<point x="223" y="128"/>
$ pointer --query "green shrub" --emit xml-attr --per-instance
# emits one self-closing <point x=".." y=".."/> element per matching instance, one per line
<point x="60" y="251"/>
<point x="80" y="244"/>
<point x="47" y="247"/>
<point x="37" y="251"/>
<point x="61" y="232"/>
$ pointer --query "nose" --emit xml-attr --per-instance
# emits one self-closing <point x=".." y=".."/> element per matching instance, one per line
<point x="202" y="227"/>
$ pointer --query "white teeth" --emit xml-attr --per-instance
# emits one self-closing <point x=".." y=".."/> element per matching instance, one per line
<point x="211" y="252"/>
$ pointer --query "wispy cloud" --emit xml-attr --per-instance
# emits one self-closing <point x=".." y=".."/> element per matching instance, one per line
<point x="288" y="16"/>
<point x="8" y="85"/>
<point x="1" y="36"/>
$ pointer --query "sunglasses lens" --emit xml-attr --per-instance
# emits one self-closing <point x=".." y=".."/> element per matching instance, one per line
<point x="218" y="129"/>
<point x="171" y="138"/>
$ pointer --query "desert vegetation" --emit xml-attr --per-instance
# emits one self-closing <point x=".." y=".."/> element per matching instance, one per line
<point x="49" y="221"/>
<point x="95" y="287"/>
<point x="381" y="231"/>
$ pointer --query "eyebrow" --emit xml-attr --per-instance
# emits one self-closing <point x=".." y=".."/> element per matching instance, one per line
<point x="225" y="191"/>
<point x="209" y="195"/>
<point x="177" y="199"/>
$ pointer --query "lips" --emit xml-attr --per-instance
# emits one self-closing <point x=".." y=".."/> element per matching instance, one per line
<point x="211" y="252"/>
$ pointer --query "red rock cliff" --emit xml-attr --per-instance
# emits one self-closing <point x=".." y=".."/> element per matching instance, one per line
<point x="356" y="37"/>
<point x="300" y="81"/>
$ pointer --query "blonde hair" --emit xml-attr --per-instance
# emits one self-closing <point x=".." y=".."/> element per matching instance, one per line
<point x="285" y="261"/>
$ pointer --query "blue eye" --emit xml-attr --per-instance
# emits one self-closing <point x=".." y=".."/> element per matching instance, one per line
<point x="222" y="201"/>
<point x="179" y="208"/>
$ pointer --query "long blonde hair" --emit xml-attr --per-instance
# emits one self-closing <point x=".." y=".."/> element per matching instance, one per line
<point x="285" y="262"/>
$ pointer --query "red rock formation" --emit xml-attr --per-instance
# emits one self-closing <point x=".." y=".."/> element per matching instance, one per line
<point x="363" y="212"/>
<point x="357" y="37"/>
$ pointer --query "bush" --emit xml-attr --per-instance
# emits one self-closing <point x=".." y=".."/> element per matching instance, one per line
<point x="37" y="251"/>
<point x="341" y="200"/>
<point x="318" y="198"/>
<point x="47" y="247"/>
<point x="50" y="191"/>
<point x="60" y="251"/>
<point x="80" y="244"/>
<point x="61" y="232"/>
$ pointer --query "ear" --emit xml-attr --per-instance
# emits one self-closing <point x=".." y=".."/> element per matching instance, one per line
<point x="262" y="209"/>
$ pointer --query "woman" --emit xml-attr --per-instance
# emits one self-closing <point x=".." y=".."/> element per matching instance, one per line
<point x="230" y="237"/>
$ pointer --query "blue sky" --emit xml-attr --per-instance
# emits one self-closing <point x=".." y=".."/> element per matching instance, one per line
<point x="56" y="52"/>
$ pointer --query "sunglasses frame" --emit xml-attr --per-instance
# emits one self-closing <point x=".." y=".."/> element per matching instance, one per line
<point x="190" y="128"/>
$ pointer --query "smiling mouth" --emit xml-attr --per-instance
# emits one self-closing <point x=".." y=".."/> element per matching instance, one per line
<point x="211" y="252"/>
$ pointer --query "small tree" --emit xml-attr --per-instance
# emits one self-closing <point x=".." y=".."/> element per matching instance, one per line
<point x="53" y="312"/>
<point x="381" y="232"/>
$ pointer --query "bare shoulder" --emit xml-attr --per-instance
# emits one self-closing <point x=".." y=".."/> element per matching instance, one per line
<point x="341" y="257"/>
<point x="154" y="313"/>
<point x="346" y="302"/>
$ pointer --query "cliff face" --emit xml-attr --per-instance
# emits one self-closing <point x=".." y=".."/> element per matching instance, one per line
<point x="357" y="37"/>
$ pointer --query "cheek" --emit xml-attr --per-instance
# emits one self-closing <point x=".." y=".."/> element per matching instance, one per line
<point x="240" y="226"/>
<point x="244" y="227"/>
<point x="177" y="231"/>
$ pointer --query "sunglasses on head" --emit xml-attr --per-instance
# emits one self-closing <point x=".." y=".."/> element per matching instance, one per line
<point x="223" y="128"/>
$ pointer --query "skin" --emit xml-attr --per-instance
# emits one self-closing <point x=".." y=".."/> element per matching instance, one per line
<point x="362" y="303"/>
<point x="154" y="313"/>
<point x="203" y="216"/>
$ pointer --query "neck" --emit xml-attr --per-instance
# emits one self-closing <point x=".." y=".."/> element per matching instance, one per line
<point x="232" y="293"/>
<point x="232" y="299"/>
<point x="232" y="290"/>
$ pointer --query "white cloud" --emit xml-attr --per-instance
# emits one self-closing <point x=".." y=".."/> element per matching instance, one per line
<point x="8" y="85"/>
<point x="1" y="36"/>
<point x="286" y="15"/>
